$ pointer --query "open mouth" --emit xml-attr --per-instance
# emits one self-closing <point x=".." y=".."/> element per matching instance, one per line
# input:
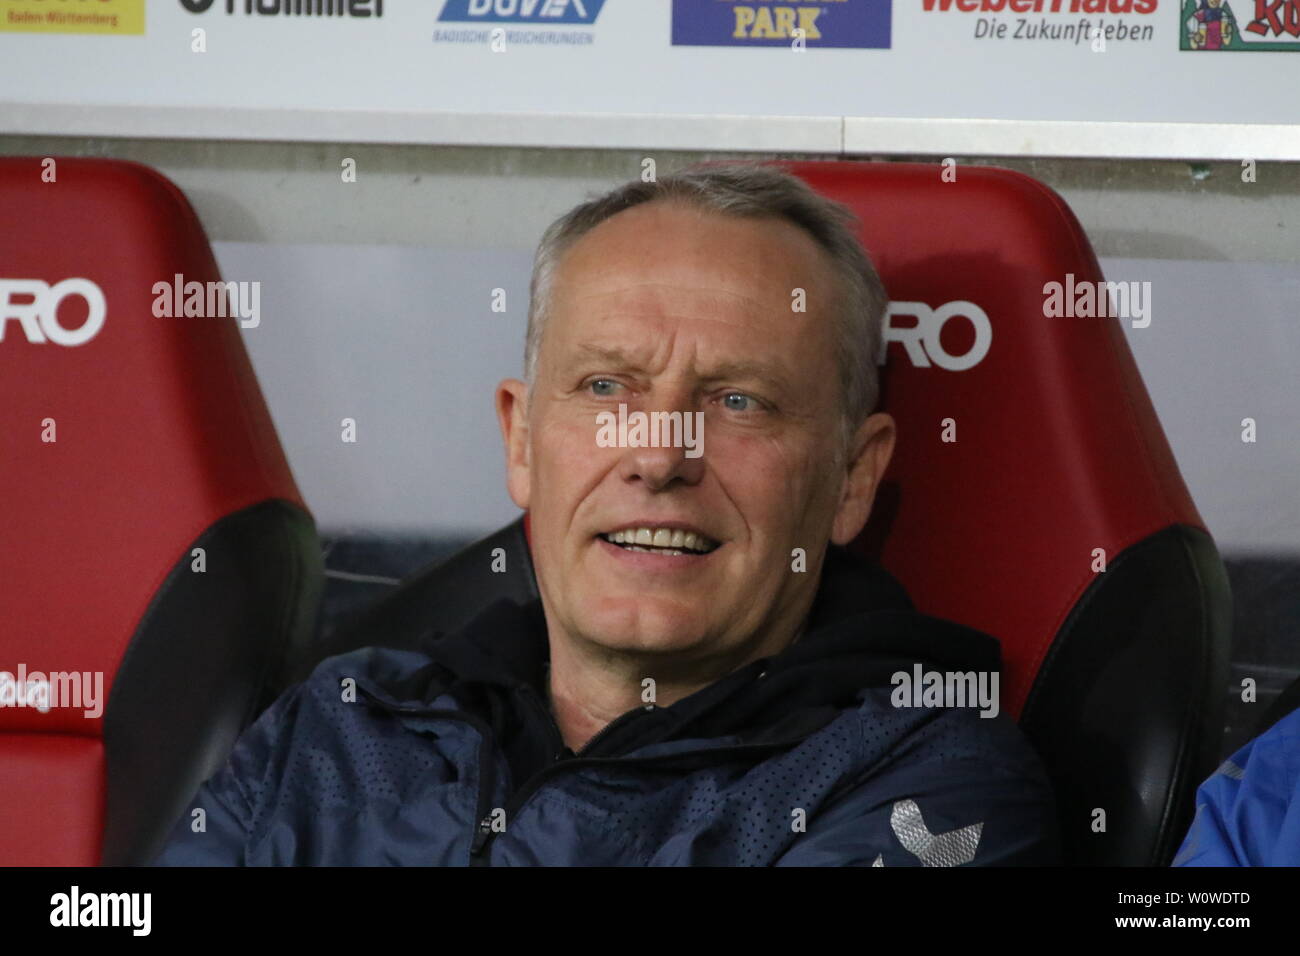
<point x="671" y="541"/>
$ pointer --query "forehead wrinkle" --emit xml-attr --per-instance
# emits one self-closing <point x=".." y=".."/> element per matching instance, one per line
<point x="658" y="318"/>
<point x="737" y="323"/>
<point x="597" y="337"/>
<point x="704" y="291"/>
<point x="586" y="313"/>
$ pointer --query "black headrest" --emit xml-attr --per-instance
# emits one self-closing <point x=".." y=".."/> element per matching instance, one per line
<point x="441" y="598"/>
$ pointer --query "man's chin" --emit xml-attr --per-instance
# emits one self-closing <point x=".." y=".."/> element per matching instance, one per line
<point x="645" y="626"/>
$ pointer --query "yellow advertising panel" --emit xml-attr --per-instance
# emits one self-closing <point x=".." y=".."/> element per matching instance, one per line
<point x="72" y="16"/>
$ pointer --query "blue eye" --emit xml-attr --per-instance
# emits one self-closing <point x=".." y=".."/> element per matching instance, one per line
<point x="745" y="402"/>
<point x="597" y="383"/>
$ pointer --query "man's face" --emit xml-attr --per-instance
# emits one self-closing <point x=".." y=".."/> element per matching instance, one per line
<point x="666" y="308"/>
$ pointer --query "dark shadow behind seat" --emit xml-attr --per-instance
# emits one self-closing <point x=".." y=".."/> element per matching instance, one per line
<point x="164" y="446"/>
<point x="1116" y="676"/>
<point x="1286" y="703"/>
<point x="442" y="598"/>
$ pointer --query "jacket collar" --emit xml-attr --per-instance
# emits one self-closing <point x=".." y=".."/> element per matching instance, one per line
<point x="862" y="628"/>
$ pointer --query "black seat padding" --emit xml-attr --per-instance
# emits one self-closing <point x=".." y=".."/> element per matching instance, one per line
<point x="440" y="598"/>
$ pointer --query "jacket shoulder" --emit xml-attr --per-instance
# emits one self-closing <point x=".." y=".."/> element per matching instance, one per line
<point x="1248" y="810"/>
<point x="947" y="770"/>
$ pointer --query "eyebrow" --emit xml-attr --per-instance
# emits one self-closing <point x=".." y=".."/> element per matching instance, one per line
<point x="753" y="371"/>
<point x="614" y="356"/>
<point x="747" y="370"/>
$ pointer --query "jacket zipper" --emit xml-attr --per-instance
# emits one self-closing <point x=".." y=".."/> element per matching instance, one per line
<point x="487" y="779"/>
<point x="479" y="855"/>
<point x="478" y="846"/>
<point x="483" y="834"/>
<point x="534" y="784"/>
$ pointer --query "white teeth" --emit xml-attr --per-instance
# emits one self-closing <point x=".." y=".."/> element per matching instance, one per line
<point x="674" y="540"/>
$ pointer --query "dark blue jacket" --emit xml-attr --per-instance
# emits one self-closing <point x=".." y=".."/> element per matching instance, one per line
<point x="449" y="756"/>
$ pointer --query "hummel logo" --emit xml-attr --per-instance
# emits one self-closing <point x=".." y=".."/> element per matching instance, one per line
<point x="933" y="849"/>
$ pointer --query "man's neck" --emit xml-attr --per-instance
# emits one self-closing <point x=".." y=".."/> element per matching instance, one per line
<point x="588" y="691"/>
<point x="586" y="696"/>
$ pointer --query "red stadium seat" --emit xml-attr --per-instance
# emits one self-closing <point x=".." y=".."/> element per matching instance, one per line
<point x="1059" y="465"/>
<point x="1117" y="676"/>
<point x="151" y="531"/>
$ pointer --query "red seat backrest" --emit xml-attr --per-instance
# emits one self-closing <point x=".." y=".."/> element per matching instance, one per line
<point x="159" y="432"/>
<point x="1058" y="450"/>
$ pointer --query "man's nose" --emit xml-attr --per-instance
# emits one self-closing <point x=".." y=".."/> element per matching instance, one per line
<point x="675" y="440"/>
<point x="661" y="467"/>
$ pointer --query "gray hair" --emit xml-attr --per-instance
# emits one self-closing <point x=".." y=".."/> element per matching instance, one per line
<point x="752" y="191"/>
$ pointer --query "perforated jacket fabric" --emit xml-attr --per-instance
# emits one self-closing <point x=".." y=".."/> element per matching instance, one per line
<point x="449" y="756"/>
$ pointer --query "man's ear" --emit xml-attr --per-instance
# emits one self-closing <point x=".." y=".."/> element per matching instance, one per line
<point x="870" y="451"/>
<point x="512" y="415"/>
